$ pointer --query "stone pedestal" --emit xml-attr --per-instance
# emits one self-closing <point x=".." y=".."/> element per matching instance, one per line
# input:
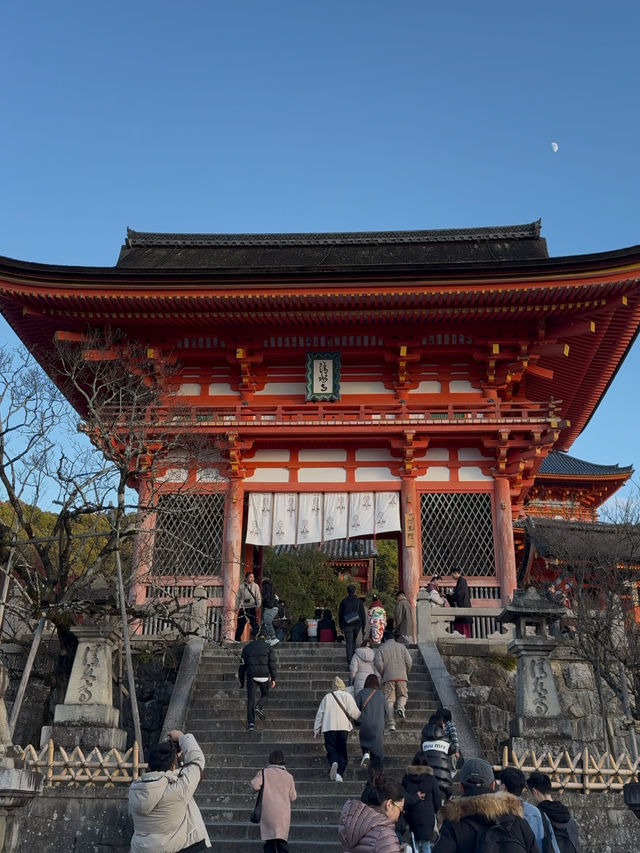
<point x="87" y="718"/>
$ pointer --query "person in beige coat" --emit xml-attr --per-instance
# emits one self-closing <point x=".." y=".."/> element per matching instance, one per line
<point x="165" y="816"/>
<point x="334" y="719"/>
<point x="279" y="792"/>
<point x="393" y="664"/>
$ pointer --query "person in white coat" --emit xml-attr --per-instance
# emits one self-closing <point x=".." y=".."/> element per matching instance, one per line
<point x="334" y="719"/>
<point x="165" y="816"/>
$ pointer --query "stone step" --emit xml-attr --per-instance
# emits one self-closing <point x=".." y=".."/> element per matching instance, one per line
<point x="257" y="741"/>
<point x="242" y="845"/>
<point x="234" y="755"/>
<point x="242" y="766"/>
<point x="302" y="833"/>
<point x="314" y="690"/>
<point x="318" y="809"/>
<point x="309" y="783"/>
<point x="233" y="714"/>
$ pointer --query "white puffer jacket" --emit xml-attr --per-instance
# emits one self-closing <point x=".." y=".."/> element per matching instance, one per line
<point x="165" y="816"/>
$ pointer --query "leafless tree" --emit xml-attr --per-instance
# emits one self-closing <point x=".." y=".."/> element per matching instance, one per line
<point x="75" y="447"/>
<point x="597" y="572"/>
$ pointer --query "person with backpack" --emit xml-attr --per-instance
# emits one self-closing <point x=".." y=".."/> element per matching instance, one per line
<point x="564" y="826"/>
<point x="421" y="811"/>
<point x="436" y="746"/>
<point x="513" y="780"/>
<point x="481" y="821"/>
<point x="352" y="619"/>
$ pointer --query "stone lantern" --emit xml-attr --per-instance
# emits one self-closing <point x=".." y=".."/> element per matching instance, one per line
<point x="88" y="718"/>
<point x="539" y="721"/>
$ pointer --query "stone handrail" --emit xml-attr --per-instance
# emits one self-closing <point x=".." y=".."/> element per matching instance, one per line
<point x="436" y="623"/>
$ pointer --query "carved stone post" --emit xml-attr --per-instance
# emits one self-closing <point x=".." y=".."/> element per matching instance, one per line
<point x="538" y="722"/>
<point x="88" y="718"/>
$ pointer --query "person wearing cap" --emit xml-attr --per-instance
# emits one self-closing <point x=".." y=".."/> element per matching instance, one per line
<point x="334" y="719"/>
<point x="258" y="668"/>
<point x="513" y="780"/>
<point x="480" y="813"/>
<point x="352" y="619"/>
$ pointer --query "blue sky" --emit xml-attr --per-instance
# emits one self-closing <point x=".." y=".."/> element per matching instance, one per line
<point x="291" y="116"/>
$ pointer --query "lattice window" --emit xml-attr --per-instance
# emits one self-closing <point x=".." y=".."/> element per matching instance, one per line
<point x="188" y="538"/>
<point x="457" y="531"/>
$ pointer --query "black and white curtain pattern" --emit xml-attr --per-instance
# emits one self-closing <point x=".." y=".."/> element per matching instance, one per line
<point x="289" y="518"/>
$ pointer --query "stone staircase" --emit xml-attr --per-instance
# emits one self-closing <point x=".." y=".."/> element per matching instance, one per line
<point x="217" y="718"/>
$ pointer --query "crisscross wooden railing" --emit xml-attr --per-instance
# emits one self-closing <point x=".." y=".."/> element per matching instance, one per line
<point x="74" y="768"/>
<point x="583" y="771"/>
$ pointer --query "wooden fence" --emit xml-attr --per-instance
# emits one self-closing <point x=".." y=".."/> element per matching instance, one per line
<point x="75" y="769"/>
<point x="585" y="771"/>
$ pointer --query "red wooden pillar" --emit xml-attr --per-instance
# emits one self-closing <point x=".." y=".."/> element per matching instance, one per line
<point x="232" y="555"/>
<point x="143" y="545"/>
<point x="411" y="550"/>
<point x="505" y="551"/>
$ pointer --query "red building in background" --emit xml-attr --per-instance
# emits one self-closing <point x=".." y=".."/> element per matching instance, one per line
<point x="407" y="384"/>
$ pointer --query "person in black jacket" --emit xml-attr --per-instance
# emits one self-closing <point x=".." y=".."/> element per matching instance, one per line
<point x="421" y="811"/>
<point x="436" y="746"/>
<point x="471" y="821"/>
<point x="258" y="669"/>
<point x="460" y="597"/>
<point x="564" y="826"/>
<point x="352" y="618"/>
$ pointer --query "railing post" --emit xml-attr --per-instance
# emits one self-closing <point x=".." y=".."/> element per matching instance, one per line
<point x="585" y="769"/>
<point x="50" y="757"/>
<point x="134" y="762"/>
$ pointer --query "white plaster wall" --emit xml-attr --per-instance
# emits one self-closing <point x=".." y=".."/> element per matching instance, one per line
<point x="221" y="388"/>
<point x="209" y="475"/>
<point x="436" y="473"/>
<point x="322" y="475"/>
<point x="266" y="455"/>
<point x="174" y="475"/>
<point x="269" y="475"/>
<point x="375" y="475"/>
<point x="288" y="388"/>
<point x="348" y="388"/>
<point x="468" y="454"/>
<point x="329" y="454"/>
<point x="189" y="389"/>
<point x="373" y="454"/>
<point x="462" y="386"/>
<point x="437" y="454"/>
<point x="472" y="474"/>
<point x="428" y="386"/>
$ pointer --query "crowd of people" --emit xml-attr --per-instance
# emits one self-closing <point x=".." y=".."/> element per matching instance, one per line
<point x="422" y="812"/>
<point x="442" y="804"/>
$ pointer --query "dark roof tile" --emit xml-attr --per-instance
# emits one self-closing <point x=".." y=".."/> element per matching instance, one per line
<point x="558" y="463"/>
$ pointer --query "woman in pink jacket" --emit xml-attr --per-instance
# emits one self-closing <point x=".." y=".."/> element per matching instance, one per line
<point x="370" y="826"/>
<point x="279" y="792"/>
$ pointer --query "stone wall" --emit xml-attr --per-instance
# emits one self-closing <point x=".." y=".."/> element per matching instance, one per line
<point x="95" y="820"/>
<point x="76" y="820"/>
<point x="155" y="676"/>
<point x="485" y="674"/>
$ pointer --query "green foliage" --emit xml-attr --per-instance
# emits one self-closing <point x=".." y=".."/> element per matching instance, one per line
<point x="507" y="662"/>
<point x="386" y="582"/>
<point x="304" y="580"/>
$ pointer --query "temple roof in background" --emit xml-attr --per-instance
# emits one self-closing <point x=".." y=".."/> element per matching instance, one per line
<point x="558" y="464"/>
